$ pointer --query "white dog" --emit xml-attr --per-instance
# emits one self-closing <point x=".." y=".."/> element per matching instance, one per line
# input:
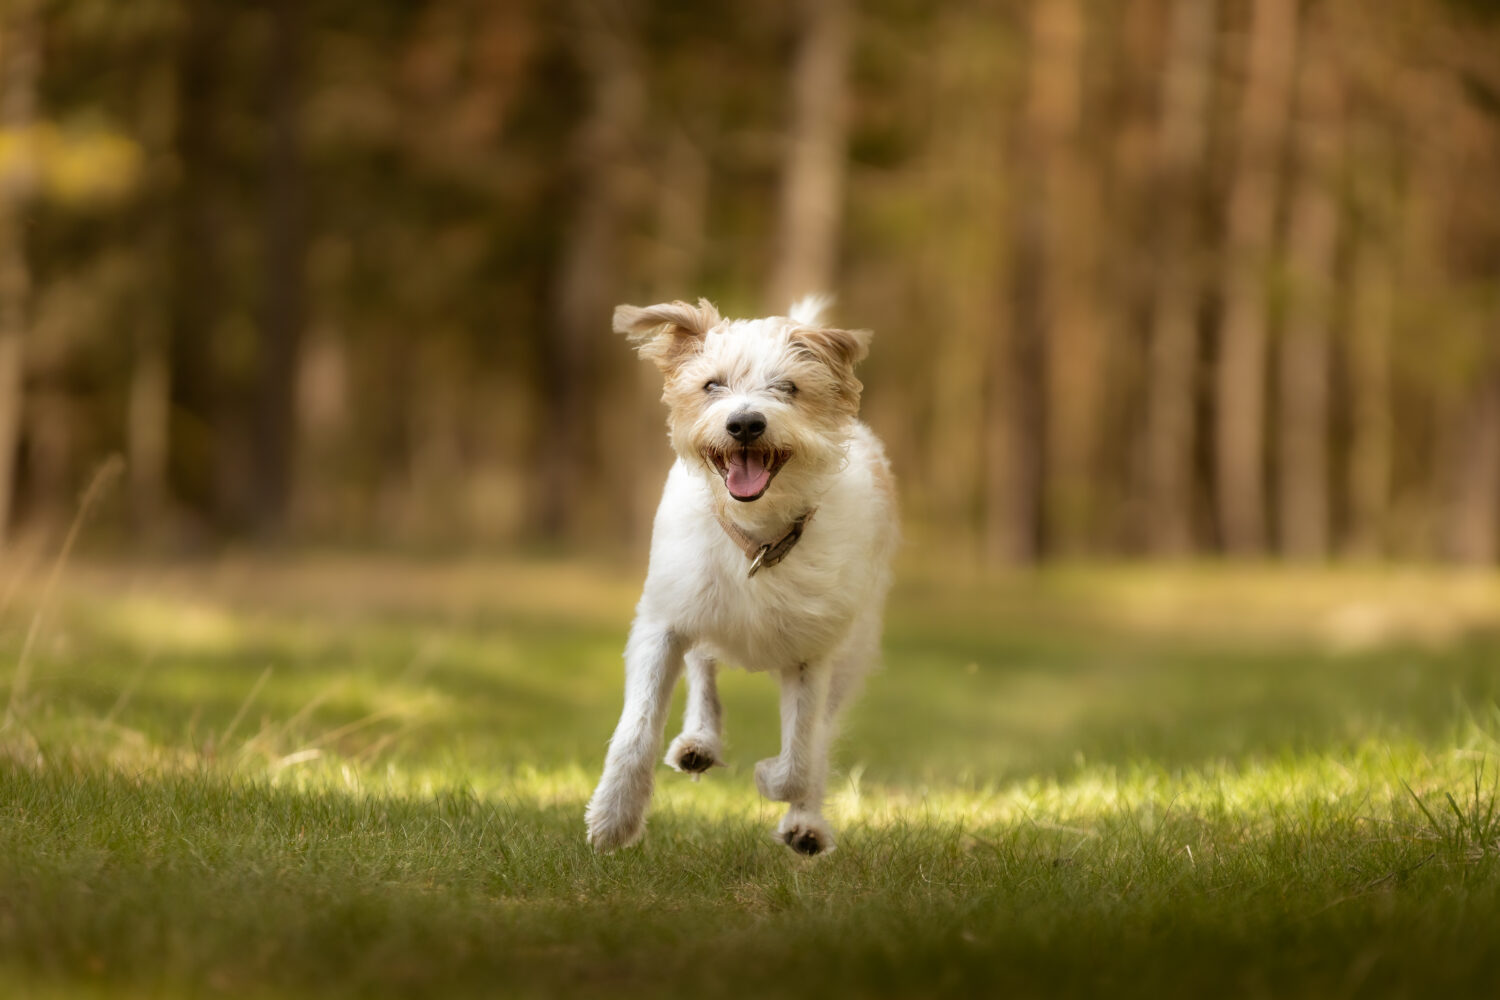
<point x="771" y="550"/>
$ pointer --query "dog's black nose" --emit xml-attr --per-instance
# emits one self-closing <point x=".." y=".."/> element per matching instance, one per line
<point x="746" y="425"/>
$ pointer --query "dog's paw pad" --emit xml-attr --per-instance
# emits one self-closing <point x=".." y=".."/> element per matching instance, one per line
<point x="695" y="762"/>
<point x="691" y="756"/>
<point x="808" y="837"/>
<point x="806" y="842"/>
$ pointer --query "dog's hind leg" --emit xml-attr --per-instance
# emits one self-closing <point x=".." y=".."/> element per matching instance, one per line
<point x="798" y="775"/>
<point x="700" y="745"/>
<point x="616" y="814"/>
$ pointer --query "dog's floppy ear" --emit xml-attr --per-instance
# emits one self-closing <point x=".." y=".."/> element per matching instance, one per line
<point x="839" y="351"/>
<point x="836" y="348"/>
<point x="668" y="333"/>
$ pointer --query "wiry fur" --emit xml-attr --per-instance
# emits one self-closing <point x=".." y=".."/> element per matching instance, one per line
<point x="813" y="619"/>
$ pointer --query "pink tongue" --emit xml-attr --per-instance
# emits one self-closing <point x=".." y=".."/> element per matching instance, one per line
<point x="748" y="474"/>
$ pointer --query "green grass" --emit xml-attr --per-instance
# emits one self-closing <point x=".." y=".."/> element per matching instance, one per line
<point x="355" y="778"/>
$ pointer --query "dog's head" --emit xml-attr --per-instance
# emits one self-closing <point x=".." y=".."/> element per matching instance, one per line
<point x="753" y="401"/>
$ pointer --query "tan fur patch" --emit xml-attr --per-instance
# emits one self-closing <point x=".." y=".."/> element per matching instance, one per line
<point x="838" y="351"/>
<point x="669" y="333"/>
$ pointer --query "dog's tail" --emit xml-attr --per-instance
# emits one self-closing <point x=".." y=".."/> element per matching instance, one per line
<point x="810" y="308"/>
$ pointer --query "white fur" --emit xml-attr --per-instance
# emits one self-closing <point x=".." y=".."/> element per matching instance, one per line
<point x="814" y="619"/>
<point x="810" y="308"/>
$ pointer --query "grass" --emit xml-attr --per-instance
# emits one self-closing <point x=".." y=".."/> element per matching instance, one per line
<point x="332" y="778"/>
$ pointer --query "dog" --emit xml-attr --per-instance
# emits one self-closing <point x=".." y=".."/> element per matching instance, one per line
<point x="771" y="550"/>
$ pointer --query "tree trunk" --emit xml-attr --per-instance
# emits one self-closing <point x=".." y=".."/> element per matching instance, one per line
<point x="964" y="173"/>
<point x="1370" y="329"/>
<point x="1372" y="313"/>
<point x="1066" y="325"/>
<point x="587" y="274"/>
<point x="435" y="411"/>
<point x="148" y="401"/>
<point x="1033" y="489"/>
<point x="1472" y="468"/>
<point x="198" y="447"/>
<point x="812" y="193"/>
<point x="275" y="382"/>
<point x="1173" y="351"/>
<point x="1435" y="348"/>
<point x="50" y="431"/>
<point x="147" y="419"/>
<point x="681" y="216"/>
<point x="323" y="422"/>
<point x="1241" y="376"/>
<point x="20" y="68"/>
<point x="1303" y="427"/>
<point x="1012" y="410"/>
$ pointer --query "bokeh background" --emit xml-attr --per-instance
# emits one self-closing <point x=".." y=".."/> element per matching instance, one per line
<point x="306" y="305"/>
<point x="1167" y="278"/>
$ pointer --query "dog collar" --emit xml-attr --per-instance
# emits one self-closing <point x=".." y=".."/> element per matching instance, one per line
<point x="762" y="554"/>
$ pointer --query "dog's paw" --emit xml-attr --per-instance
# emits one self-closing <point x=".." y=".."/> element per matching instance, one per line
<point x="611" y="827"/>
<point x="692" y="754"/>
<point x="806" y="833"/>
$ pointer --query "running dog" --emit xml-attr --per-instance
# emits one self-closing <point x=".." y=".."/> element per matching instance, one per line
<point x="771" y="551"/>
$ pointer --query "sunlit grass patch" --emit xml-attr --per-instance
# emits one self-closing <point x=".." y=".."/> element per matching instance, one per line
<point x="287" y="792"/>
<point x="408" y="880"/>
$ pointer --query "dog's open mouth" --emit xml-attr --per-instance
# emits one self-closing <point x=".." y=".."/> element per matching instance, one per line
<point x="747" y="472"/>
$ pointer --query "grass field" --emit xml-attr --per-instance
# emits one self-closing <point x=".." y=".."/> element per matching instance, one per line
<point x="331" y="778"/>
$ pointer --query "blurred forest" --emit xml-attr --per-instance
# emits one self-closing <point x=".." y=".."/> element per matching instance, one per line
<point x="1165" y="278"/>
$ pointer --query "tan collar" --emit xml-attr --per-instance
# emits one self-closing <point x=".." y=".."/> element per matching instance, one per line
<point x="761" y="553"/>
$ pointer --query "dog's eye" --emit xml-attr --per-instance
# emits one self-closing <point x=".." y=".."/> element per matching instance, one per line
<point x="712" y="385"/>
<point x="786" y="387"/>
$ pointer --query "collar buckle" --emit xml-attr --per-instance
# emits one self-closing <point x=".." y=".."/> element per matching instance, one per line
<point x="762" y="554"/>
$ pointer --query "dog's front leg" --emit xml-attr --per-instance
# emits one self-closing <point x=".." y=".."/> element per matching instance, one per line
<point x="797" y="776"/>
<point x="700" y="744"/>
<point x="616" y="814"/>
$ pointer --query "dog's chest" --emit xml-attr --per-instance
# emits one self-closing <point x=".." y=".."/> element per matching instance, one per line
<point x="794" y="612"/>
<point x="776" y="624"/>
